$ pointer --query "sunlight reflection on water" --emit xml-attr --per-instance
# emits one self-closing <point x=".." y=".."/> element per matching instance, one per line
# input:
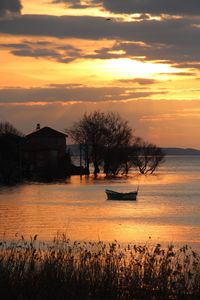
<point x="167" y="208"/>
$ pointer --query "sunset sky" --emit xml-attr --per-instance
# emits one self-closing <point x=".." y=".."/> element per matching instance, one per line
<point x="60" y="58"/>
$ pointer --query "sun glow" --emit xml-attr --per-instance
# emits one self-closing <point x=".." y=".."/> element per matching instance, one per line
<point x="126" y="67"/>
<point x="59" y="9"/>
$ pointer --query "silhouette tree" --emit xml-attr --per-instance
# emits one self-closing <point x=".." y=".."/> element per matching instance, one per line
<point x="145" y="157"/>
<point x="10" y="153"/>
<point x="109" y="142"/>
<point x="103" y="134"/>
<point x="116" y="160"/>
<point x="8" y="128"/>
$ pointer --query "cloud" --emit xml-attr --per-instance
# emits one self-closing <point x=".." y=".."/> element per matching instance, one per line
<point x="171" y="7"/>
<point x="45" y="53"/>
<point x="43" y="49"/>
<point x="76" y="4"/>
<point x="187" y="55"/>
<point x="9" y="7"/>
<point x="191" y="73"/>
<point x="168" y="31"/>
<point x="144" y="7"/>
<point x="140" y="81"/>
<point x="191" y="65"/>
<point x="72" y="93"/>
<point x="163" y="117"/>
<point x="175" y="41"/>
<point x="65" y="26"/>
<point x="63" y="52"/>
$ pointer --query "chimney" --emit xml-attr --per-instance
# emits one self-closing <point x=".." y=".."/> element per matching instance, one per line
<point x="38" y="126"/>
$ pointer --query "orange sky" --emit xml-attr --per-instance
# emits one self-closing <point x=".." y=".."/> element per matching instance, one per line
<point x="61" y="59"/>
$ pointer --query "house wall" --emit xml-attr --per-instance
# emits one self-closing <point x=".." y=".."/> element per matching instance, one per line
<point x="44" y="151"/>
<point x="57" y="144"/>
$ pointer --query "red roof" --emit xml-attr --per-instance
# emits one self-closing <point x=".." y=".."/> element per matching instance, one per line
<point x="46" y="132"/>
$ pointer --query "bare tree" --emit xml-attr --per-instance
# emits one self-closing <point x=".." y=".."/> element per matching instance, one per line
<point x="116" y="160"/>
<point x="8" y="128"/>
<point x="10" y="153"/>
<point x="101" y="133"/>
<point x="109" y="141"/>
<point x="146" y="157"/>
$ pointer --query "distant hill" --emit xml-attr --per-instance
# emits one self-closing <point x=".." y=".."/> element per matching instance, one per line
<point x="181" y="151"/>
<point x="169" y="151"/>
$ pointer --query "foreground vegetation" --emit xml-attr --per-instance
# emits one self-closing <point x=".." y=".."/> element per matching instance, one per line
<point x="73" y="270"/>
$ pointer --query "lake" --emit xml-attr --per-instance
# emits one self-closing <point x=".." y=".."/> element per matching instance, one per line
<point x="167" y="209"/>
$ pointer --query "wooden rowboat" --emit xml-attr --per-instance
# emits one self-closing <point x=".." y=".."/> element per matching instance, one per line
<point x="112" y="195"/>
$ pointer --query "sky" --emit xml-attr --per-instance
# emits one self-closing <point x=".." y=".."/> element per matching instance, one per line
<point x="62" y="58"/>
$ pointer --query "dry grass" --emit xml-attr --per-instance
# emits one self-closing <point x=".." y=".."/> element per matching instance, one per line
<point x="97" y="271"/>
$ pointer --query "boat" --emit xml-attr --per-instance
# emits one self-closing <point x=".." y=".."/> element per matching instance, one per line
<point x="112" y="195"/>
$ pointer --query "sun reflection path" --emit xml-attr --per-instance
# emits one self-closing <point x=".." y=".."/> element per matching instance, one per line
<point x="167" y="208"/>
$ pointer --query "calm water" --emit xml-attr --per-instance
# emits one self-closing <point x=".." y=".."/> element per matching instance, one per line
<point x="167" y="209"/>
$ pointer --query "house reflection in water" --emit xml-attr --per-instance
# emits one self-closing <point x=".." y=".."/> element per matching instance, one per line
<point x="45" y="155"/>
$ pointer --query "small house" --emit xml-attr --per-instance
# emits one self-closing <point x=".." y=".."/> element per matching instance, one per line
<point x="44" y="153"/>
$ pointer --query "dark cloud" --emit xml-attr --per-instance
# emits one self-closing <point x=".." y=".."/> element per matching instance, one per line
<point x="168" y="31"/>
<point x="141" y="81"/>
<point x="179" y="55"/>
<point x="45" y="53"/>
<point x="41" y="53"/>
<point x="65" y="53"/>
<point x="168" y="40"/>
<point x="191" y="73"/>
<point x="74" y="3"/>
<point x="10" y="6"/>
<point x="191" y="65"/>
<point x="69" y="93"/>
<point x="143" y="7"/>
<point x="54" y="26"/>
<point x="43" y="49"/>
<point x="172" y="7"/>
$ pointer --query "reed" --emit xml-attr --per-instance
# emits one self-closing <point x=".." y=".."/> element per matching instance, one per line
<point x="97" y="271"/>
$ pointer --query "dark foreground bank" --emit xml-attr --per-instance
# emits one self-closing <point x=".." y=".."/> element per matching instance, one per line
<point x="97" y="271"/>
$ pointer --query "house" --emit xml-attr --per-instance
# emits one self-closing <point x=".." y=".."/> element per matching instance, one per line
<point x="44" y="153"/>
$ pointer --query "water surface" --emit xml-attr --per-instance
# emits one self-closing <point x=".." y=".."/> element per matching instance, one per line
<point x="167" y="209"/>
